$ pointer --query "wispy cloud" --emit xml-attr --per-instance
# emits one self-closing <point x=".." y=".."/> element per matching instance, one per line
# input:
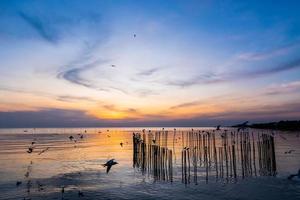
<point x="74" y="75"/>
<point x="257" y="56"/>
<point x="187" y="104"/>
<point x="285" y="88"/>
<point x="69" y="98"/>
<point x="47" y="118"/>
<point x="148" y="72"/>
<point x="207" y="78"/>
<point x="41" y="27"/>
<point x="294" y="64"/>
<point x="213" y="78"/>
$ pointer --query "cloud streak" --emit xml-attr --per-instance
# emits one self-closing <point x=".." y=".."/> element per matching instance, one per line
<point x="213" y="78"/>
<point x="286" y="88"/>
<point x="41" y="27"/>
<point x="74" y="75"/>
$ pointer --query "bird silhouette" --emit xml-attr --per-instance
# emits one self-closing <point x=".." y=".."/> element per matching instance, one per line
<point x="242" y="126"/>
<point x="294" y="175"/>
<point x="71" y="137"/>
<point x="43" y="150"/>
<point x="113" y="65"/>
<point x="109" y="164"/>
<point x="80" y="194"/>
<point x="283" y="137"/>
<point x="134" y="35"/>
<point x="218" y="127"/>
<point x="121" y="144"/>
<point x="289" y="151"/>
<point x="18" y="183"/>
<point x="30" y="150"/>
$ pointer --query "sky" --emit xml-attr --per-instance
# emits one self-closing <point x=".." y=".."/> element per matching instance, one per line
<point x="148" y="63"/>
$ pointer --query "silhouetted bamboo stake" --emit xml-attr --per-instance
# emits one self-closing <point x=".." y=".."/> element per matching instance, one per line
<point x="253" y="150"/>
<point x="215" y="156"/>
<point x="195" y="166"/>
<point x="206" y="163"/>
<point x="234" y="161"/>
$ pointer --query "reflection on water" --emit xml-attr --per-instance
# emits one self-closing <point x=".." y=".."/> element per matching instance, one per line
<point x="180" y="163"/>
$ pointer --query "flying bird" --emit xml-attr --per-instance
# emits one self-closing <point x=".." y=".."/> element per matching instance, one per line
<point x="43" y="150"/>
<point x="30" y="150"/>
<point x="109" y="164"/>
<point x="113" y="65"/>
<point x="134" y="35"/>
<point x="294" y="175"/>
<point x="71" y="137"/>
<point x="289" y="152"/>
<point x="80" y="194"/>
<point x="242" y="126"/>
<point x="121" y="144"/>
<point x="18" y="183"/>
<point x="283" y="137"/>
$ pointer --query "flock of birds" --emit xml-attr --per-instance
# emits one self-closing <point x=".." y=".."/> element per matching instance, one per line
<point x="110" y="163"/>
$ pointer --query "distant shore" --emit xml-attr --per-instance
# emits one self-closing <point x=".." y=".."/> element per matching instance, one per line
<point x="281" y="125"/>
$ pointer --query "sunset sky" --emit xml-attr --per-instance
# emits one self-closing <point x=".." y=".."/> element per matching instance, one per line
<point x="148" y="63"/>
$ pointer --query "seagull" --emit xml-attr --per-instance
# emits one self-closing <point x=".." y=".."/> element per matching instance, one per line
<point x="62" y="192"/>
<point x="283" y="137"/>
<point x="40" y="186"/>
<point x="289" y="152"/>
<point x="30" y="150"/>
<point x="218" y="127"/>
<point x="113" y="65"/>
<point x="80" y="194"/>
<point x="109" y="164"/>
<point x="293" y="175"/>
<point x="18" y="183"/>
<point x="43" y="150"/>
<point x="242" y="126"/>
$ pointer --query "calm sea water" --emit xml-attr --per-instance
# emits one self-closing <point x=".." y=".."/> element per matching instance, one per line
<point x="76" y="166"/>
